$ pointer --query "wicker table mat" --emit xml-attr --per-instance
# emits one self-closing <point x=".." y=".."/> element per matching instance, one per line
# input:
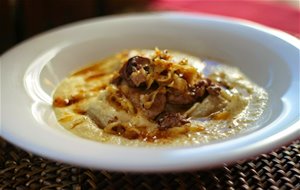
<point x="277" y="170"/>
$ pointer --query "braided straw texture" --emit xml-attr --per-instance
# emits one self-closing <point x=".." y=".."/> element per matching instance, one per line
<point x="279" y="169"/>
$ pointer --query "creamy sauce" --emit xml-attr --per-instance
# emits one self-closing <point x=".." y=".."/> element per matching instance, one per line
<point x="87" y="86"/>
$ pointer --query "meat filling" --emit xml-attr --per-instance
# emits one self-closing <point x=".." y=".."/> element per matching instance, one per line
<point x="169" y="120"/>
<point x="152" y="84"/>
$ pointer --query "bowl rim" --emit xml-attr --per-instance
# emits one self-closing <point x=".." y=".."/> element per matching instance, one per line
<point x="164" y="160"/>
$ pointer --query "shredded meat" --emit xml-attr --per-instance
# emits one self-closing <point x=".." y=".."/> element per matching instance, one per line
<point x="175" y="96"/>
<point x="134" y="75"/>
<point x="193" y="94"/>
<point x="134" y="94"/>
<point x="137" y="70"/>
<point x="169" y="120"/>
<point x="157" y="107"/>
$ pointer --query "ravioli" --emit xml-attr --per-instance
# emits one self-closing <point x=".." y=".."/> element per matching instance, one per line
<point x="157" y="98"/>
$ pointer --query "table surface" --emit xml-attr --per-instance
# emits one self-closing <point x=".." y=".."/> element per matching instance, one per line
<point x="279" y="169"/>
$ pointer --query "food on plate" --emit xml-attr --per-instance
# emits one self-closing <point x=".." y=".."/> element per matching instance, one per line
<point x="154" y="97"/>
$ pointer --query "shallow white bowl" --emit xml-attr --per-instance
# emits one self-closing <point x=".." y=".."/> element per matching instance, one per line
<point x="31" y="70"/>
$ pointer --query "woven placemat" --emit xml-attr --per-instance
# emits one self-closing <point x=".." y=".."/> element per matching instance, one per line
<point x="277" y="170"/>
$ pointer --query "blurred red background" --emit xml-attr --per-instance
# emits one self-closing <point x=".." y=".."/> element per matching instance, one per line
<point x="21" y="19"/>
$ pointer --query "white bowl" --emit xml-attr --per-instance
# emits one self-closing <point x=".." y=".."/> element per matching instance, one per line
<point x="31" y="70"/>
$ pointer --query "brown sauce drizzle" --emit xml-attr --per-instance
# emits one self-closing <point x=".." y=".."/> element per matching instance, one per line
<point x="66" y="119"/>
<point x="221" y="116"/>
<point x="64" y="102"/>
<point x="89" y="69"/>
<point x="167" y="134"/>
<point x="76" y="124"/>
<point x="95" y="76"/>
<point x="98" y="88"/>
<point x="143" y="135"/>
<point x="79" y="111"/>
